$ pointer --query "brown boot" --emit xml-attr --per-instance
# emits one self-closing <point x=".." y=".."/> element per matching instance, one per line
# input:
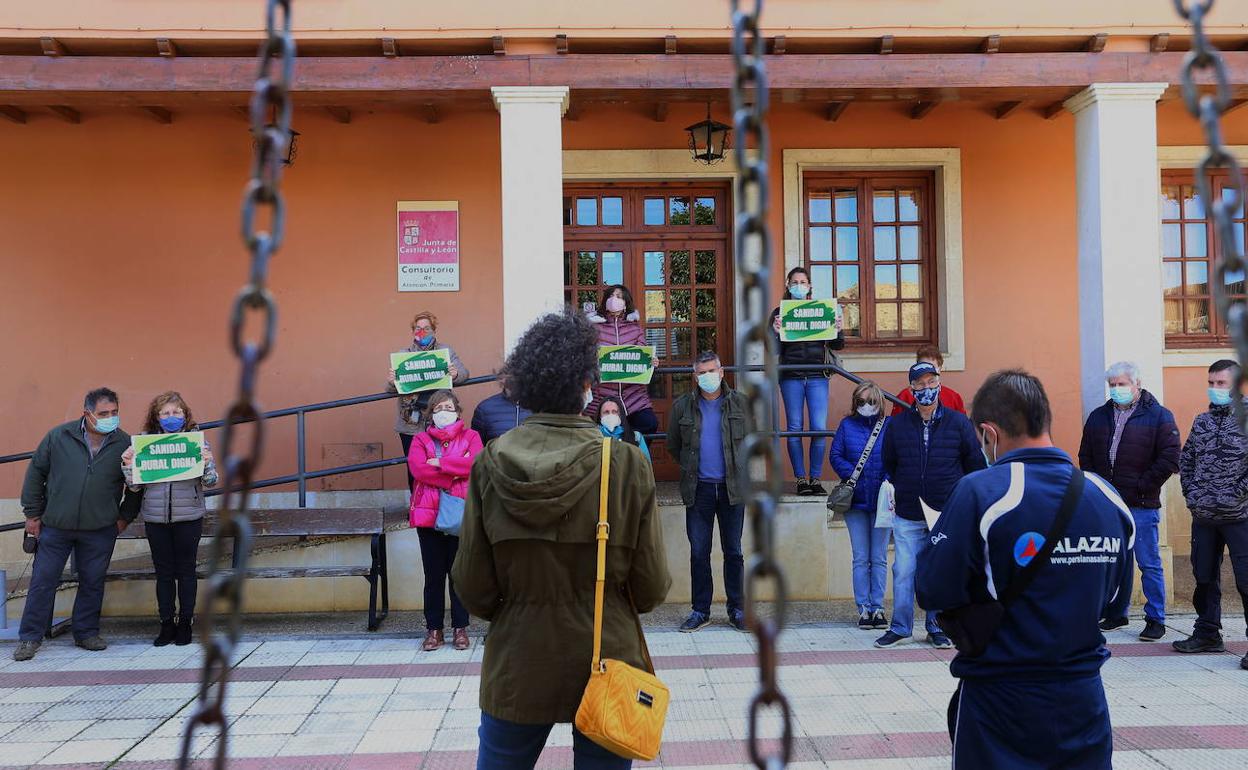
<point x="460" y="639"/>
<point x="433" y="640"/>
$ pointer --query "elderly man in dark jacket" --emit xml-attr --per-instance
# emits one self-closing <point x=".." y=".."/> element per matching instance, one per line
<point x="496" y="415"/>
<point x="926" y="451"/>
<point x="72" y="497"/>
<point x="1213" y="469"/>
<point x="1132" y="441"/>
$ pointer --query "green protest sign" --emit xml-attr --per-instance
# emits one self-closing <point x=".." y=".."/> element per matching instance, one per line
<point x="626" y="364"/>
<point x="807" y="320"/>
<point x="422" y="370"/>
<point x="168" y="457"/>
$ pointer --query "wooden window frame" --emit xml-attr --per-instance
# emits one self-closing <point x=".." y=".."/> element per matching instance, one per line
<point x="864" y="181"/>
<point x="1217" y="337"/>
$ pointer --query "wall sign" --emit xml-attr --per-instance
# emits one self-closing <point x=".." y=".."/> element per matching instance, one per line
<point x="428" y="245"/>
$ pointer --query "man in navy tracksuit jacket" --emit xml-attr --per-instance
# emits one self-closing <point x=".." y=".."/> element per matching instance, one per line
<point x="1034" y="698"/>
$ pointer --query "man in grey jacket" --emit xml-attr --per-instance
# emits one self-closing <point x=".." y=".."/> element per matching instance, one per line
<point x="1213" y="470"/>
<point x="72" y="497"/>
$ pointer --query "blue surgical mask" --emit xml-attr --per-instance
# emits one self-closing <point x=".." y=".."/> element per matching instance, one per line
<point x="1121" y="395"/>
<point x="107" y="424"/>
<point x="799" y="291"/>
<point x="172" y="424"/>
<point x="1219" y="396"/>
<point x="926" y="396"/>
<point x="710" y="382"/>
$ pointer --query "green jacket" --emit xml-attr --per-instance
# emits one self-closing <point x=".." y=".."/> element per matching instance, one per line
<point x="70" y="489"/>
<point x="684" y="439"/>
<point x="527" y="562"/>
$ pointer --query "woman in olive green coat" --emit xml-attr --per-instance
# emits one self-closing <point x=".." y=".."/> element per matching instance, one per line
<point x="527" y="553"/>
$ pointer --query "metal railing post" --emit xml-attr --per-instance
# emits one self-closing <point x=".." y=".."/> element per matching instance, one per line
<point x="4" y="600"/>
<point x="301" y="449"/>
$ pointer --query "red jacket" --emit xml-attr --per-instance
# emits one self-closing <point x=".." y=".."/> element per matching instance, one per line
<point x="459" y="446"/>
<point x="949" y="399"/>
<point x="620" y="331"/>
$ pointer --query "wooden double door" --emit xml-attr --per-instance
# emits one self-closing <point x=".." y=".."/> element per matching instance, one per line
<point x="668" y="243"/>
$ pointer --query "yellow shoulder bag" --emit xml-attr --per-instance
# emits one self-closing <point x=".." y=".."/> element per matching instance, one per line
<point x="623" y="708"/>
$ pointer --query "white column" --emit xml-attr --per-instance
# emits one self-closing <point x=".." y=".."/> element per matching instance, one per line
<point x="531" y="119"/>
<point x="1121" y="314"/>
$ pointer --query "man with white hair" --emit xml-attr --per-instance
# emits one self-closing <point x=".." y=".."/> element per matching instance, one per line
<point x="1133" y="441"/>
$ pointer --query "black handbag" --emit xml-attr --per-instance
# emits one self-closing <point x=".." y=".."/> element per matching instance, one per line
<point x="971" y="627"/>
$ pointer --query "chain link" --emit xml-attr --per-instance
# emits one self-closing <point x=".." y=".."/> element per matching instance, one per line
<point x="1208" y="109"/>
<point x="756" y="342"/>
<point x="270" y="127"/>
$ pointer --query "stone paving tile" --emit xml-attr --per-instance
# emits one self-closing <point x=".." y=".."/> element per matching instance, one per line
<point x="75" y="751"/>
<point x="25" y="754"/>
<point x="45" y="731"/>
<point x="391" y="742"/>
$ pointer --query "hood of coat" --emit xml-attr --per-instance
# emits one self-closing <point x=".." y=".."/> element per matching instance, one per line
<point x="544" y="468"/>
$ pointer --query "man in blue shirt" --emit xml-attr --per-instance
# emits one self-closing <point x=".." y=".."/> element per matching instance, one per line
<point x="926" y="450"/>
<point x="1033" y="697"/>
<point x="704" y="432"/>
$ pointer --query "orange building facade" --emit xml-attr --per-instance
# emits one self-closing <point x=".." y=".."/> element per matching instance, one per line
<point x="1011" y="184"/>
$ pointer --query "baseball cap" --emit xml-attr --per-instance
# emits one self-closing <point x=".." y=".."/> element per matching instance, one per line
<point x="922" y="368"/>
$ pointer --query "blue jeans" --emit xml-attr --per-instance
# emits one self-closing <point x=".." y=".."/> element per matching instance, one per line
<point x="93" y="550"/>
<point x="1148" y="557"/>
<point x="909" y="538"/>
<point x="870" y="548"/>
<point x="710" y="503"/>
<point x="513" y="746"/>
<point x="814" y="392"/>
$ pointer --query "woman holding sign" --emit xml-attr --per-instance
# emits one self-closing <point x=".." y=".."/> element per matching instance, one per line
<point x="173" y="518"/>
<point x="412" y="407"/>
<point x="440" y="459"/>
<point x="622" y="326"/>
<point x="805" y="389"/>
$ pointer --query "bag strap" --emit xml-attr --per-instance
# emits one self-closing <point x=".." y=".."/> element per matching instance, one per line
<point x="604" y="531"/>
<point x="866" y="453"/>
<point x="1074" y="492"/>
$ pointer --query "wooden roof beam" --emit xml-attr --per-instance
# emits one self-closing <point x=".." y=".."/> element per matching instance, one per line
<point x="660" y="112"/>
<point x="389" y="48"/>
<point x="243" y="112"/>
<point x="340" y="114"/>
<point x="835" y="110"/>
<point x="500" y="45"/>
<point x="922" y="109"/>
<point x="1235" y="105"/>
<point x="161" y="114"/>
<point x="1097" y="43"/>
<point x="778" y="45"/>
<point x="165" y="47"/>
<point x="12" y="113"/>
<point x="1159" y="42"/>
<point x="1053" y="110"/>
<point x="67" y="114"/>
<point x="669" y="45"/>
<point x="430" y="113"/>
<point x="886" y="45"/>
<point x="561" y="45"/>
<point x="1005" y="108"/>
<point x="991" y="44"/>
<point x="573" y="113"/>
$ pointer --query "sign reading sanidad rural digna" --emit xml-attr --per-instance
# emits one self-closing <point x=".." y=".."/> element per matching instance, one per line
<point x="626" y="364"/>
<point x="807" y="320"/>
<point x="428" y="245"/>
<point x="422" y="370"/>
<point x="168" y="457"/>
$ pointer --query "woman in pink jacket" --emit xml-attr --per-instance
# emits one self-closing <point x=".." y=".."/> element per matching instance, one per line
<point x="440" y="460"/>
<point x="619" y="324"/>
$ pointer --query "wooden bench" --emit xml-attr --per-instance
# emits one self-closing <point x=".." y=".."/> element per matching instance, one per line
<point x="300" y="524"/>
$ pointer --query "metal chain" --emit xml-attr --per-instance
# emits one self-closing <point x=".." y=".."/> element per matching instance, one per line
<point x="270" y="126"/>
<point x="756" y="342"/>
<point x="1208" y="109"/>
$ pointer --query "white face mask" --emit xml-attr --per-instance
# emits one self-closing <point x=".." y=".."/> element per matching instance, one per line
<point x="868" y="410"/>
<point x="610" y="421"/>
<point x="445" y="419"/>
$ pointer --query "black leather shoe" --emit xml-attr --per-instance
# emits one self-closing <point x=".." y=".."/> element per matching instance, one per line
<point x="168" y="632"/>
<point x="1110" y="624"/>
<point x="1152" y="631"/>
<point x="1200" y="644"/>
<point x="816" y="488"/>
<point x="184" y="632"/>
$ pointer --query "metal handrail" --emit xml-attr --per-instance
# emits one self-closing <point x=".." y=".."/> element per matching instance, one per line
<point x="302" y="475"/>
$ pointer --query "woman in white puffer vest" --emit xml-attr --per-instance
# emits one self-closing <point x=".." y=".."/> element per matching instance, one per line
<point x="173" y="518"/>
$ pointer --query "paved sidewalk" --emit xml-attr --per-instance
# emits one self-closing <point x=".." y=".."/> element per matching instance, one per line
<point x="374" y="701"/>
